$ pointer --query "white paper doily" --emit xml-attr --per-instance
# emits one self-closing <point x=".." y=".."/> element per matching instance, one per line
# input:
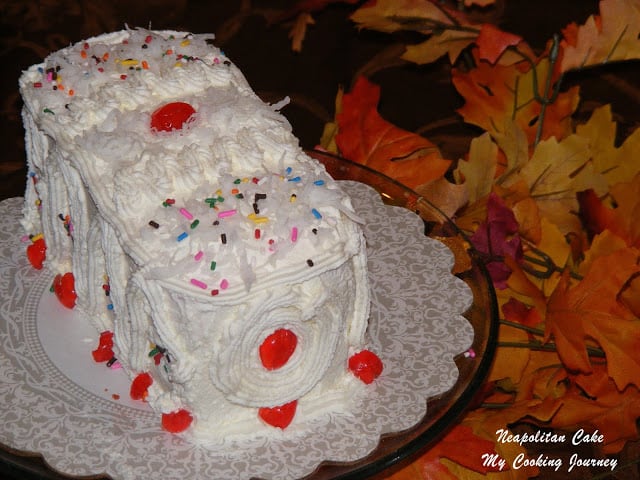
<point x="57" y="402"/>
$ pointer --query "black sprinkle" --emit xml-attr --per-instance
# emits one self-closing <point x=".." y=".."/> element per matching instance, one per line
<point x="227" y="62"/>
<point x="223" y="238"/>
<point x="154" y="224"/>
<point x="216" y="223"/>
<point x="256" y="210"/>
<point x="315" y="231"/>
<point x="209" y="41"/>
<point x="61" y="217"/>
<point x="259" y="196"/>
<point x="310" y="262"/>
<point x="112" y="361"/>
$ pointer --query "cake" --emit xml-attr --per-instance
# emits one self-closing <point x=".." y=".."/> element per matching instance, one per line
<point x="222" y="267"/>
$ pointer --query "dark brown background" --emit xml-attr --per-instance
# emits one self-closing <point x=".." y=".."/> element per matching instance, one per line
<point x="416" y="98"/>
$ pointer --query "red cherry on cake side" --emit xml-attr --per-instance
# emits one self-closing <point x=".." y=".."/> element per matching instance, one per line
<point x="140" y="386"/>
<point x="65" y="290"/>
<point x="176" y="421"/>
<point x="37" y="253"/>
<point x="104" y="352"/>
<point x="277" y="348"/>
<point x="171" y="116"/>
<point x="280" y="416"/>
<point x="365" y="365"/>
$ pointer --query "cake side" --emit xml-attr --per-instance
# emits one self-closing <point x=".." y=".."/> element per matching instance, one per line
<point x="195" y="226"/>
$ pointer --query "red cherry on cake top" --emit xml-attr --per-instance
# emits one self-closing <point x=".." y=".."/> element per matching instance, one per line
<point x="365" y="365"/>
<point x="277" y="348"/>
<point x="171" y="116"/>
<point x="65" y="290"/>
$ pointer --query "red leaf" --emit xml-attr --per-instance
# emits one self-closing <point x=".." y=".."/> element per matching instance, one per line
<point x="365" y="137"/>
<point x="492" y="42"/>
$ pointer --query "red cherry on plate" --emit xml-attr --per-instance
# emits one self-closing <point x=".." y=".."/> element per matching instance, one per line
<point x="177" y="421"/>
<point x="277" y="348"/>
<point x="140" y="386"/>
<point x="280" y="416"/>
<point x="171" y="116"/>
<point x="37" y="253"/>
<point x="64" y="288"/>
<point x="365" y="365"/>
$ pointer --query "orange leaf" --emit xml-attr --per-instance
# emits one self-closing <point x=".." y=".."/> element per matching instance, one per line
<point x="622" y="220"/>
<point x="611" y="36"/>
<point x="461" y="446"/>
<point x="591" y="310"/>
<point x="492" y="42"/>
<point x="365" y="137"/>
<point x="613" y="413"/>
<point x="496" y="95"/>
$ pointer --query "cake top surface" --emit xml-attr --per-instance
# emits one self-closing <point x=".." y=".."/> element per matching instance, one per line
<point x="204" y="181"/>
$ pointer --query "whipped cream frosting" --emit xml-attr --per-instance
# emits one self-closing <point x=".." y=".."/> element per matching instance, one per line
<point x="207" y="238"/>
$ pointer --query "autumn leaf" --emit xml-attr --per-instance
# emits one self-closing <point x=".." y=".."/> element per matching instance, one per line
<point x="448" y="42"/>
<point x="449" y="32"/>
<point x="594" y="402"/>
<point x="622" y="220"/>
<point x="556" y="171"/>
<point x="605" y="38"/>
<point x="460" y="445"/>
<point x="615" y="163"/>
<point x="477" y="172"/>
<point x="390" y="16"/>
<point x="446" y="196"/>
<point x="496" y="95"/>
<point x="365" y="137"/>
<point x="492" y="42"/>
<point x="299" y="30"/>
<point x="591" y="310"/>
<point x="510" y="360"/>
<point x="306" y="7"/>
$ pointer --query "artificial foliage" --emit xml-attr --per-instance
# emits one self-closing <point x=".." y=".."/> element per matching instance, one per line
<point x="552" y="203"/>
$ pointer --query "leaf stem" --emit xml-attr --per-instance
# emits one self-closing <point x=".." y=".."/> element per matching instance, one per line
<point x="519" y="326"/>
<point x="549" y="347"/>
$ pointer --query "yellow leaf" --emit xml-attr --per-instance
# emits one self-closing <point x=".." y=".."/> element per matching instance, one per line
<point x="328" y="139"/>
<point x="555" y="172"/>
<point x="397" y="15"/>
<point x="448" y="42"/>
<point x="611" y="36"/>
<point x="479" y="170"/>
<point x="299" y="30"/>
<point x="616" y="164"/>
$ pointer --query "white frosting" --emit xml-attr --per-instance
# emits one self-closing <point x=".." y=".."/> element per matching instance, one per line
<point x="211" y="236"/>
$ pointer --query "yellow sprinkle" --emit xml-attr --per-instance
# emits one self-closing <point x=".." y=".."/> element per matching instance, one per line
<point x="129" y="61"/>
<point x="245" y="180"/>
<point x="293" y="198"/>
<point x="256" y="219"/>
<point x="218" y="192"/>
<point x="184" y="43"/>
<point x="37" y="237"/>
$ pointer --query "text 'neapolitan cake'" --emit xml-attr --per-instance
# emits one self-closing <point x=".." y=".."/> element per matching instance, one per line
<point x="223" y="267"/>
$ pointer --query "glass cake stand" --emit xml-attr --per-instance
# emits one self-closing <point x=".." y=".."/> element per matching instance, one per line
<point x="397" y="449"/>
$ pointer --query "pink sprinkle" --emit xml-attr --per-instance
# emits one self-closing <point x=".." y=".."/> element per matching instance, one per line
<point x="186" y="213"/>
<point x="115" y="365"/>
<point x="224" y="284"/>
<point x="294" y="234"/>
<point x="227" y="213"/>
<point x="25" y="238"/>
<point x="49" y="76"/>
<point x="198" y="256"/>
<point x="198" y="283"/>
